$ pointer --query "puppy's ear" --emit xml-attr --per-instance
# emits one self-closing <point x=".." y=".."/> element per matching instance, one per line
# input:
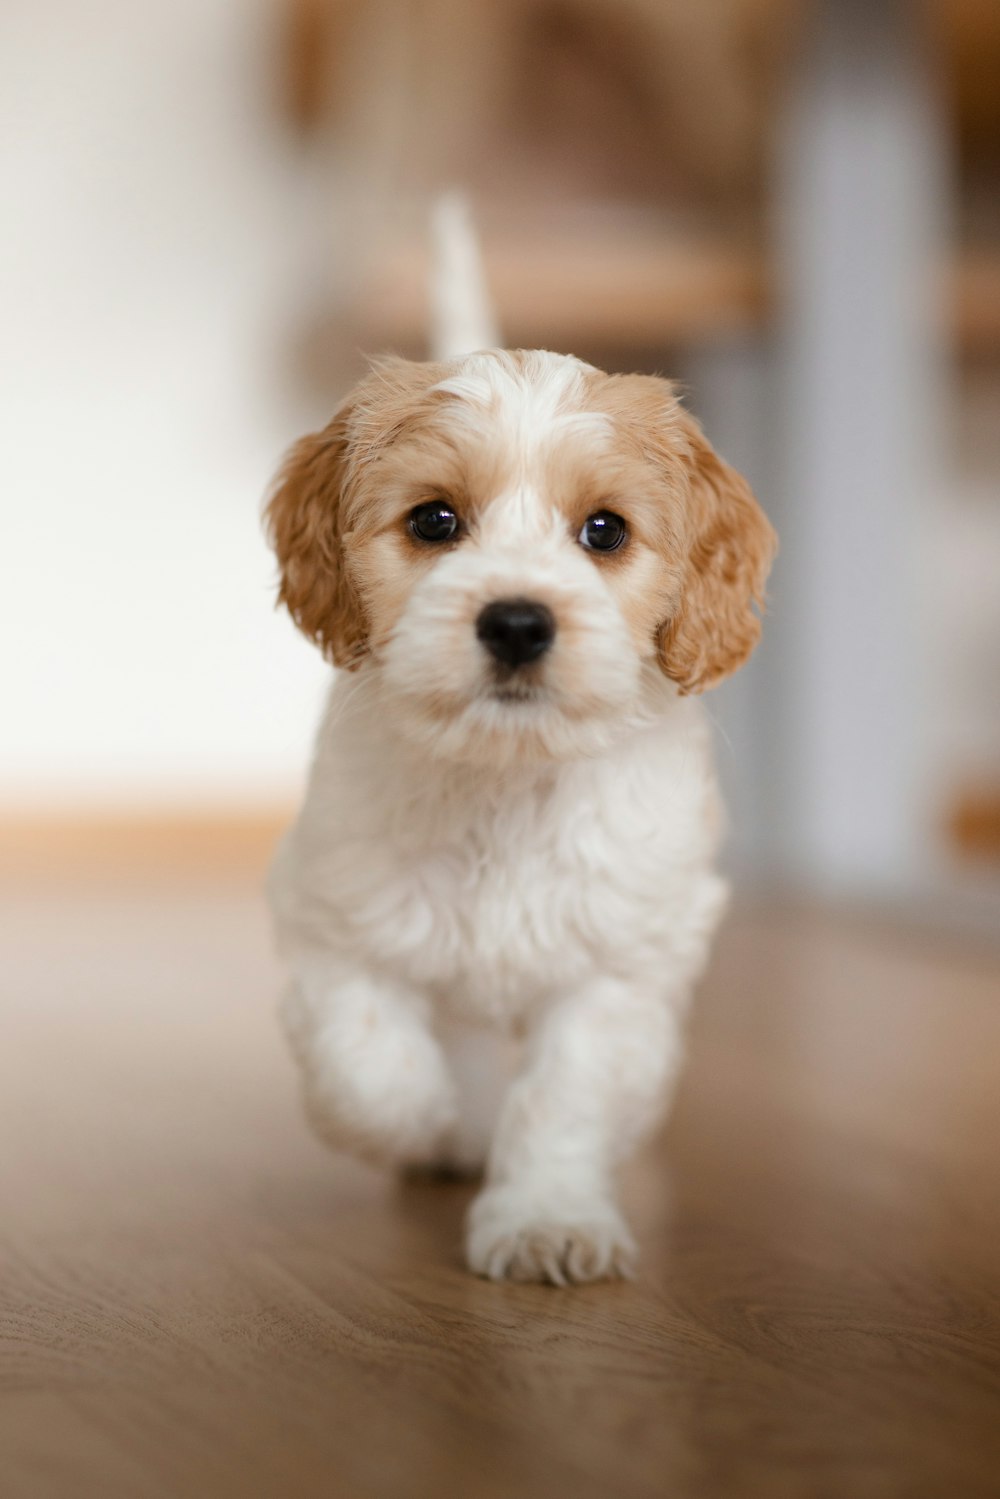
<point x="730" y="545"/>
<point x="305" y="525"/>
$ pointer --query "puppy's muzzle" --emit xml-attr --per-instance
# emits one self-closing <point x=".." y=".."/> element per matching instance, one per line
<point x="516" y="631"/>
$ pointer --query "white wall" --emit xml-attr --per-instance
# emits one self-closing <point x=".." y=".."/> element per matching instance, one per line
<point x="153" y="227"/>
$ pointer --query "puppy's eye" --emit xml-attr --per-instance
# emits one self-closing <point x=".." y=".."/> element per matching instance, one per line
<point x="603" y="532"/>
<point x="435" y="521"/>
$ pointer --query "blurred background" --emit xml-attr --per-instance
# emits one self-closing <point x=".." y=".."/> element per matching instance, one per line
<point x="213" y="209"/>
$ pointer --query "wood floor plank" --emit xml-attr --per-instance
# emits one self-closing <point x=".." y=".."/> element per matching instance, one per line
<point x="196" y="1299"/>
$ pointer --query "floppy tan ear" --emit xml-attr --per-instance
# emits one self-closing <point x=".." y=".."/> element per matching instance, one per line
<point x="730" y="548"/>
<point x="304" y="518"/>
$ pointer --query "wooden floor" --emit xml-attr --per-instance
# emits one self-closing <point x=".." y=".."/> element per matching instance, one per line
<point x="197" y="1301"/>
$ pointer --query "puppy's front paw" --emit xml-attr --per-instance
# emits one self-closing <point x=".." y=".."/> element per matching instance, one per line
<point x="392" y="1102"/>
<point x="513" y="1236"/>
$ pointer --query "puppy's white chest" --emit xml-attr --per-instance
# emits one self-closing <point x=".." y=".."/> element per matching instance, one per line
<point x="492" y="893"/>
<point x="487" y="910"/>
<point x="521" y="901"/>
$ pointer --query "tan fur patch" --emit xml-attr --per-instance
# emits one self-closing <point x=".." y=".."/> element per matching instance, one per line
<point x="317" y="506"/>
<point x="686" y="580"/>
<point x="716" y="545"/>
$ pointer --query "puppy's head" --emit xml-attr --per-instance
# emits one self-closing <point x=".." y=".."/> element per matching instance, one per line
<point x="515" y="542"/>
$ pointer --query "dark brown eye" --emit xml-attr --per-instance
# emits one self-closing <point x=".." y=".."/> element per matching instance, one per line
<point x="603" y="532"/>
<point x="435" y="521"/>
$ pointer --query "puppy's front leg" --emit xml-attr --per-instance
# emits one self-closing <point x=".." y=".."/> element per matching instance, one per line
<point x="594" y="1082"/>
<point x="375" y="1080"/>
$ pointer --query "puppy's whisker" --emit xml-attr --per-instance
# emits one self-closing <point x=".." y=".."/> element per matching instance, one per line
<point x="722" y="733"/>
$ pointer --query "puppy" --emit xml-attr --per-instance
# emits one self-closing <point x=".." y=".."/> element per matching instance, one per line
<point x="527" y="571"/>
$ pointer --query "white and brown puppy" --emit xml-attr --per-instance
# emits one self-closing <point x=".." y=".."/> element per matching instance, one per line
<point x="527" y="569"/>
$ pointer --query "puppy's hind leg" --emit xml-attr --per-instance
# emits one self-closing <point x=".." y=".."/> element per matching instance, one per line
<point x="375" y="1079"/>
<point x="481" y="1063"/>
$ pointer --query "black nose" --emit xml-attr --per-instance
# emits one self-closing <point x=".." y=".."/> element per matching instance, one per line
<point x="516" y="631"/>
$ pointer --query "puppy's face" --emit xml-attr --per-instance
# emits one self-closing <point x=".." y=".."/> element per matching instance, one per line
<point x="514" y="540"/>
